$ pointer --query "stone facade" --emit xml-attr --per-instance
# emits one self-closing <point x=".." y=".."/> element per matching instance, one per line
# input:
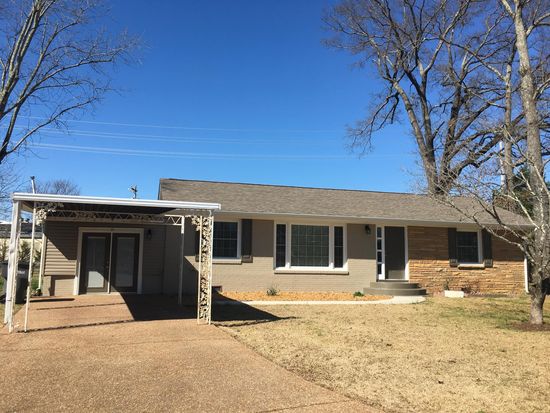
<point x="429" y="265"/>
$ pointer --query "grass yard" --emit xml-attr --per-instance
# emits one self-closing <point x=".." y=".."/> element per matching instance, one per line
<point x="443" y="355"/>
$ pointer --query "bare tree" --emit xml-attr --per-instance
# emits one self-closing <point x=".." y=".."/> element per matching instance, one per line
<point x="53" y="61"/>
<point x="422" y="52"/>
<point x="10" y="181"/>
<point x="469" y="75"/>
<point x="58" y="187"/>
<point x="528" y="192"/>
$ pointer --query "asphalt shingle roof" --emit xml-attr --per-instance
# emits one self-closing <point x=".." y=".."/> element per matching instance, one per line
<point x="341" y="203"/>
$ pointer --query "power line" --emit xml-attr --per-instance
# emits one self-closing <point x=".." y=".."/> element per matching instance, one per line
<point x="143" y="125"/>
<point x="172" y="154"/>
<point x="176" y="139"/>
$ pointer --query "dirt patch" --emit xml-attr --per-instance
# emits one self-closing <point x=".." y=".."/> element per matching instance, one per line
<point x="531" y="327"/>
<point x="443" y="355"/>
<point x="296" y="296"/>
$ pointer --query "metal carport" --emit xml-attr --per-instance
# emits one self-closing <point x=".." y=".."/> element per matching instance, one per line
<point x="47" y="207"/>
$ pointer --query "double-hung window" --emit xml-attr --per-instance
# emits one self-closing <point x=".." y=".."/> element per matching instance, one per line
<point x="467" y="247"/>
<point x="306" y="245"/>
<point x="226" y="239"/>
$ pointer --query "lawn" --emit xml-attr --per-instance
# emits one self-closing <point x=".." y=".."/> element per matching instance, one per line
<point x="442" y="355"/>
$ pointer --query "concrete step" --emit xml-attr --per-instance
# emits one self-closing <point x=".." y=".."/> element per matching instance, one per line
<point x="394" y="288"/>
<point x="393" y="284"/>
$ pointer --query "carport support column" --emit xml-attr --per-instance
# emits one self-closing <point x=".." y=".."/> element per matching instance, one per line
<point x="182" y="261"/>
<point x="13" y="258"/>
<point x="31" y="265"/>
<point x="205" y="227"/>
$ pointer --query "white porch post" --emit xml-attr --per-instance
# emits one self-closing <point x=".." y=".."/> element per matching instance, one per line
<point x="42" y="256"/>
<point x="31" y="265"/>
<point x="13" y="258"/>
<point x="182" y="261"/>
<point x="205" y="226"/>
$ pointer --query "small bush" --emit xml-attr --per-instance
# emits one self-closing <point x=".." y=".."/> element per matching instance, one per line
<point x="272" y="291"/>
<point x="358" y="294"/>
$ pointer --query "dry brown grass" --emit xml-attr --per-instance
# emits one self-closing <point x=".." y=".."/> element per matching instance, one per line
<point x="444" y="355"/>
<point x="297" y="296"/>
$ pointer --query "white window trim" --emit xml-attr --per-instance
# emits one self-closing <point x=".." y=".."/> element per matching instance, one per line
<point x="230" y="260"/>
<point x="82" y="230"/>
<point x="304" y="269"/>
<point x="479" y="249"/>
<point x="381" y="276"/>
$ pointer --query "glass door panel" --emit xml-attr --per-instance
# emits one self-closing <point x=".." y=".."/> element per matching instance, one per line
<point x="125" y="262"/>
<point x="95" y="263"/>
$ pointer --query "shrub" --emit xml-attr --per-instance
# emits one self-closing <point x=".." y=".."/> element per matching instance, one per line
<point x="358" y="294"/>
<point x="272" y="291"/>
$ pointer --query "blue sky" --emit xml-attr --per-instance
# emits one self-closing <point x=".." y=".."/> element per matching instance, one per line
<point x="232" y="91"/>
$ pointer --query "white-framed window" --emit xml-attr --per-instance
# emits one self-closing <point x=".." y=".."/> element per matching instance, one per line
<point x="468" y="247"/>
<point x="310" y="246"/>
<point x="227" y="239"/>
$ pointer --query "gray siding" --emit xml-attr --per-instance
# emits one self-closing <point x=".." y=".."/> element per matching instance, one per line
<point x="62" y="251"/>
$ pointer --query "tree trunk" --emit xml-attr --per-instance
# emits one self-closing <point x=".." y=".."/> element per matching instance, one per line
<point x="537" y="304"/>
<point x="534" y="163"/>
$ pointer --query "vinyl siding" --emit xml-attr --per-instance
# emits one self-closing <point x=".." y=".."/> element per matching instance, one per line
<point x="62" y="252"/>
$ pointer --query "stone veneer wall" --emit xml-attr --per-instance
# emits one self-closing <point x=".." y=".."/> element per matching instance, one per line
<point x="429" y="265"/>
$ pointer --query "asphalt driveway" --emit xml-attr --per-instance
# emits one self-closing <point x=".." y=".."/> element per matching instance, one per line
<point x="112" y="355"/>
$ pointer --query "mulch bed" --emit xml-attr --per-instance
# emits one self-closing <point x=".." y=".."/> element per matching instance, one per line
<point x="530" y="327"/>
<point x="296" y="296"/>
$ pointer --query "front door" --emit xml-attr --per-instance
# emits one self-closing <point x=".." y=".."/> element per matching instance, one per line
<point x="109" y="262"/>
<point x="394" y="253"/>
<point x="124" y="267"/>
<point x="94" y="273"/>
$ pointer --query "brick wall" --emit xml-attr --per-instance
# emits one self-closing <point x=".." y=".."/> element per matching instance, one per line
<point x="429" y="265"/>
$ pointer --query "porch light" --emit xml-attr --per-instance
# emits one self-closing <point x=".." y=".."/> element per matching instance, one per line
<point x="367" y="229"/>
<point x="149" y="234"/>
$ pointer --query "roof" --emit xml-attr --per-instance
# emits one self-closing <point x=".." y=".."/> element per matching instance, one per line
<point x="324" y="202"/>
<point x="105" y="204"/>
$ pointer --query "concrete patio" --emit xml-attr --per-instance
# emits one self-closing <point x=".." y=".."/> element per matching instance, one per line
<point x="107" y="353"/>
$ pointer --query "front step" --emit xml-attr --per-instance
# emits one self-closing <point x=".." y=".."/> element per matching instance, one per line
<point x="390" y="287"/>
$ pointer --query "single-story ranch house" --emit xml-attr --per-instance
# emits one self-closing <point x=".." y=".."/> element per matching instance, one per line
<point x="291" y="238"/>
<point x="302" y="239"/>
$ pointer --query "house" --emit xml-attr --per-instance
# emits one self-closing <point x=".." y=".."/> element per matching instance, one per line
<point x="314" y="239"/>
<point x="25" y="237"/>
<point x="292" y="238"/>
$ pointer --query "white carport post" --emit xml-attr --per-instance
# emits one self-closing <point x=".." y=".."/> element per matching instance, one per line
<point x="182" y="259"/>
<point x="31" y="265"/>
<point x="13" y="258"/>
<point x="42" y="257"/>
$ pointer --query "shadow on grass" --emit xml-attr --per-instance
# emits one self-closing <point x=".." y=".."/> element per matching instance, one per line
<point x="234" y="313"/>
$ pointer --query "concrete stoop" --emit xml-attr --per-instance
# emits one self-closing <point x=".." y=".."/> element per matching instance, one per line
<point x="390" y="287"/>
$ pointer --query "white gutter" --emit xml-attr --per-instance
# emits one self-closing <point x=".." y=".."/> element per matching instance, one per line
<point x="21" y="196"/>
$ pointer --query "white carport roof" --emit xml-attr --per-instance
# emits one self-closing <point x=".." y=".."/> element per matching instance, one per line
<point x="114" y="203"/>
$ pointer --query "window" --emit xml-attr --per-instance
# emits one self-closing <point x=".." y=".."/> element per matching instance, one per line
<point x="338" y="247"/>
<point x="309" y="246"/>
<point x="467" y="247"/>
<point x="306" y="245"/>
<point x="226" y="239"/>
<point x="380" y="252"/>
<point x="280" y="246"/>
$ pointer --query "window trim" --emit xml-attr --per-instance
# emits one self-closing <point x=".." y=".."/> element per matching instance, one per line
<point x="228" y="260"/>
<point x="288" y="268"/>
<point x="479" y="248"/>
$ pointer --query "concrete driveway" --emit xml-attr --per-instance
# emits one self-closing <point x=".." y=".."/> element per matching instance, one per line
<point x="122" y="357"/>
